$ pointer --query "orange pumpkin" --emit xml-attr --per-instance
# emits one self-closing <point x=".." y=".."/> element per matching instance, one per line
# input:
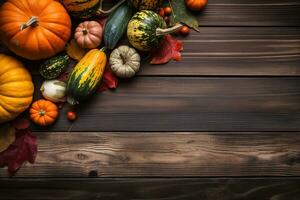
<point x="34" y="29"/>
<point x="16" y="88"/>
<point x="43" y="112"/>
<point x="196" y="5"/>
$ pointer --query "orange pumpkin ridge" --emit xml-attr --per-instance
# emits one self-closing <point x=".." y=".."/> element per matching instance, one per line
<point x="16" y="88"/>
<point x="35" y="29"/>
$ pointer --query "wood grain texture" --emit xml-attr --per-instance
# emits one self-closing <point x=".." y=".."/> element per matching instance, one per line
<point x="190" y="104"/>
<point x="158" y="189"/>
<point x="164" y="155"/>
<point x="233" y="51"/>
<point x="251" y="13"/>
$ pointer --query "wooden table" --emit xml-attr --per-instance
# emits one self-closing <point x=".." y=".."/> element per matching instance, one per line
<point x="222" y="124"/>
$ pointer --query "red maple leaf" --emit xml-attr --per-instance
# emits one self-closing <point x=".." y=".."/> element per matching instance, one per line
<point x="109" y="80"/>
<point x="169" y="49"/>
<point x="23" y="149"/>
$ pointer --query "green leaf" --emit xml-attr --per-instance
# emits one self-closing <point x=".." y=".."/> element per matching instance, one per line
<point x="181" y="14"/>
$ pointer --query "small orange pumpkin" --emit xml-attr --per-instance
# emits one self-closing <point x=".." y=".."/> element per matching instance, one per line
<point x="43" y="112"/>
<point x="35" y="29"/>
<point x="196" y="5"/>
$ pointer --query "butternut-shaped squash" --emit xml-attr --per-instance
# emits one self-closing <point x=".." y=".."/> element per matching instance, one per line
<point x="86" y="76"/>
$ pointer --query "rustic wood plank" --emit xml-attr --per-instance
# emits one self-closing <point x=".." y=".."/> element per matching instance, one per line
<point x="159" y="189"/>
<point x="247" y="51"/>
<point x="251" y="13"/>
<point x="190" y="104"/>
<point x="164" y="155"/>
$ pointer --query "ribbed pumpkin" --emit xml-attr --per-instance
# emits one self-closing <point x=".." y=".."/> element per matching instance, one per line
<point x="16" y="88"/>
<point x="146" y="4"/>
<point x="81" y="8"/>
<point x="84" y="9"/>
<point x="86" y="76"/>
<point x="34" y="29"/>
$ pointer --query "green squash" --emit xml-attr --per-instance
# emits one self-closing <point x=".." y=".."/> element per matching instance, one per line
<point x="142" y="30"/>
<point x="86" y="76"/>
<point x="116" y="25"/>
<point x="53" y="67"/>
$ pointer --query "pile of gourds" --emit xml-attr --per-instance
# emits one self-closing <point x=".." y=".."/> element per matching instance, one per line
<point x="41" y="29"/>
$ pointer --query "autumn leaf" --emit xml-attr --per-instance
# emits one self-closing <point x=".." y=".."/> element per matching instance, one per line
<point x="181" y="14"/>
<point x="75" y="51"/>
<point x="169" y="49"/>
<point x="7" y="136"/>
<point x="23" y="149"/>
<point x="21" y="123"/>
<point x="109" y="80"/>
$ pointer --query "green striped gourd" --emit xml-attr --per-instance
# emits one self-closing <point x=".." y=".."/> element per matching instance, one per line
<point x="53" y="67"/>
<point x="86" y="76"/>
<point x="142" y="30"/>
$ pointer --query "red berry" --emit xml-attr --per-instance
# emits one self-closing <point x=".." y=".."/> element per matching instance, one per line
<point x="168" y="10"/>
<point x="71" y="115"/>
<point x="185" y="30"/>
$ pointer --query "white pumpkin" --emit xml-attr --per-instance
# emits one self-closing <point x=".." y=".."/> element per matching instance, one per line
<point x="125" y="61"/>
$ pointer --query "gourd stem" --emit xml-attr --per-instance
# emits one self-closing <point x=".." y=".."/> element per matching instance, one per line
<point x="84" y="31"/>
<point x="106" y="12"/>
<point x="42" y="112"/>
<point x="31" y="22"/>
<point x="103" y="49"/>
<point x="160" y="31"/>
<point x="72" y="101"/>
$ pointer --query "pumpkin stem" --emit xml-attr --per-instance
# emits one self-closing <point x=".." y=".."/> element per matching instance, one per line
<point x="160" y="31"/>
<point x="106" y="12"/>
<point x="31" y="22"/>
<point x="103" y="49"/>
<point x="42" y="112"/>
<point x="123" y="58"/>
<point x="85" y="31"/>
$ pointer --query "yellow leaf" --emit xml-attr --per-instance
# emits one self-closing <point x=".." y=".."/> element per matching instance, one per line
<point x="75" y="51"/>
<point x="7" y="136"/>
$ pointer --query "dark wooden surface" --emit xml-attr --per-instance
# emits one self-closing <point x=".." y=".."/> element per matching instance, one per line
<point x="222" y="124"/>
<point x="158" y="189"/>
<point x="165" y="154"/>
<point x="191" y="104"/>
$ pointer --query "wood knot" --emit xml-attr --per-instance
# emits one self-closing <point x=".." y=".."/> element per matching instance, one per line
<point x="93" y="174"/>
<point x="81" y="156"/>
<point x="292" y="159"/>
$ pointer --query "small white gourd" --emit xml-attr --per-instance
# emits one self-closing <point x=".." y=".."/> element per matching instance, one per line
<point x="54" y="90"/>
<point x="125" y="61"/>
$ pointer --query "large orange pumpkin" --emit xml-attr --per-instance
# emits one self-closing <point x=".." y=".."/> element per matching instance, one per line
<point x="34" y="29"/>
<point x="16" y="88"/>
